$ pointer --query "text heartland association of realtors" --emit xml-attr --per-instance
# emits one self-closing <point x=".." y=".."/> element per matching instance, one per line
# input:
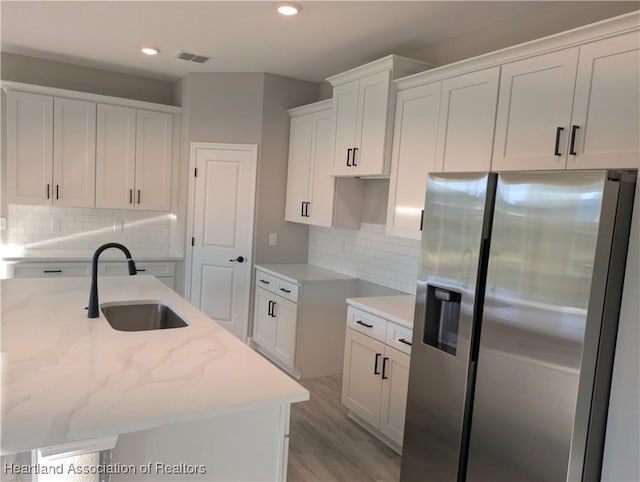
<point x="122" y="469"/>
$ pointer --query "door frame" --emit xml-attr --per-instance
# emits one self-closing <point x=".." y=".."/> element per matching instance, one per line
<point x="194" y="147"/>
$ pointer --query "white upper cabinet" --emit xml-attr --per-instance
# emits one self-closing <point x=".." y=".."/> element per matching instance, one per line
<point x="133" y="158"/>
<point x="413" y="157"/>
<point x="51" y="150"/>
<point x="442" y="126"/>
<point x="362" y="109"/>
<point x="605" y="124"/>
<point x="534" y="112"/>
<point x="345" y="106"/>
<point x="313" y="195"/>
<point x="571" y="109"/>
<point x="467" y="121"/>
<point x="70" y="149"/>
<point x="115" y="156"/>
<point x="29" y="148"/>
<point x="154" y="138"/>
<point x="363" y="102"/>
<point x="74" y="152"/>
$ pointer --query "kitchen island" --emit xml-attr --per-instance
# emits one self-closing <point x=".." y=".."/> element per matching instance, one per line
<point x="194" y="395"/>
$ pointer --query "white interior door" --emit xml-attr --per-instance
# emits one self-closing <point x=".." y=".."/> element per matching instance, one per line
<point x="223" y="232"/>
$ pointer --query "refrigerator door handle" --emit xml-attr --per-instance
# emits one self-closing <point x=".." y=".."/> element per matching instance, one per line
<point x="478" y="305"/>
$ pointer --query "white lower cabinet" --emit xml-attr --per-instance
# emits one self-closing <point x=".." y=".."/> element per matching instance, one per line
<point x="275" y="325"/>
<point x="163" y="270"/>
<point x="298" y="322"/>
<point x="376" y="375"/>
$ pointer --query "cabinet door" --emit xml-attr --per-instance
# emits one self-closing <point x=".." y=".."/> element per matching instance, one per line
<point x="287" y="320"/>
<point x="607" y="104"/>
<point x="74" y="153"/>
<point x="29" y="148"/>
<point x="535" y="100"/>
<point x="371" y="132"/>
<point x="413" y="156"/>
<point x="362" y="381"/>
<point x="301" y="146"/>
<point x="467" y="120"/>
<point x="115" y="156"/>
<point x="345" y="107"/>
<point x="154" y="140"/>
<point x="395" y="384"/>
<point x="322" y="185"/>
<point x="264" y="330"/>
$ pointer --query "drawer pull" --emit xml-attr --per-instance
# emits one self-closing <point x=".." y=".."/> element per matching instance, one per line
<point x="402" y="340"/>
<point x="285" y="290"/>
<point x="363" y="324"/>
<point x="265" y="282"/>
<point x="375" y="366"/>
<point x="140" y="269"/>
<point x="52" y="271"/>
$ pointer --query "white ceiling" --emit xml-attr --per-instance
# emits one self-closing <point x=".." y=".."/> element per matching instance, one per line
<point x="327" y="37"/>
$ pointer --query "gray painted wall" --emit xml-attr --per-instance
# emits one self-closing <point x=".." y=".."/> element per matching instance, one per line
<point x="280" y="94"/>
<point x="622" y="444"/>
<point x="508" y="32"/>
<point x="60" y="75"/>
<point x="246" y="108"/>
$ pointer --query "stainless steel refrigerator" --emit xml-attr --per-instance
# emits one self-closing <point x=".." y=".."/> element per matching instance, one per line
<point x="515" y="325"/>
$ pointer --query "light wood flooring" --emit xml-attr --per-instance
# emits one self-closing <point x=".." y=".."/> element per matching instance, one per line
<point x="326" y="446"/>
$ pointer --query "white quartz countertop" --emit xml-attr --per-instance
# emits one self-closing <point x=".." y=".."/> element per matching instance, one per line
<point x="48" y="255"/>
<point x="303" y="273"/>
<point x="66" y="377"/>
<point x="399" y="309"/>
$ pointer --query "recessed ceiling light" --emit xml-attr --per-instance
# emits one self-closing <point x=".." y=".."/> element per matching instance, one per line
<point x="150" y="50"/>
<point x="288" y="8"/>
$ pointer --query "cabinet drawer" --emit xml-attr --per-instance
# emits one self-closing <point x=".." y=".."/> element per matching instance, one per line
<point x="399" y="337"/>
<point x="154" y="269"/>
<point x="266" y="281"/>
<point x="26" y="270"/>
<point x="287" y="290"/>
<point x="366" y="323"/>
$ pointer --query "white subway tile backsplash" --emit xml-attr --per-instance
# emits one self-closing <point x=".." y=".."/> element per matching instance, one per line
<point x="368" y="254"/>
<point x="55" y="228"/>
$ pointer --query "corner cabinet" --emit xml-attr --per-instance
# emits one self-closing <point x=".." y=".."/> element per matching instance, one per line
<point x="74" y="152"/>
<point x="50" y="150"/>
<point x="288" y="327"/>
<point x="376" y="374"/>
<point x="363" y="104"/>
<point x="585" y="101"/>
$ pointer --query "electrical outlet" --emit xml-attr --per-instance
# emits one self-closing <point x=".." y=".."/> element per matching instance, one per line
<point x="55" y="224"/>
<point x="118" y="225"/>
<point x="3" y="223"/>
<point x="273" y="239"/>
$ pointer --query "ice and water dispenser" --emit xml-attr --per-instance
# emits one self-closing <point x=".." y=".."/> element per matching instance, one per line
<point x="441" y="319"/>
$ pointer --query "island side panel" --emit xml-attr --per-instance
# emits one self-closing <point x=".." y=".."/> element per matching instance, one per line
<point x="239" y="446"/>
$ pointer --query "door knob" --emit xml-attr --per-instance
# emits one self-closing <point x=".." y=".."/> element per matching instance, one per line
<point x="239" y="259"/>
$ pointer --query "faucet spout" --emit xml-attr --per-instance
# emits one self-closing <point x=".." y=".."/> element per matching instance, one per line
<point x="93" y="310"/>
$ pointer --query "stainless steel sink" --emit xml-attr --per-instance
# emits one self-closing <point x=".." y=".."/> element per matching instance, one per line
<point x="140" y="316"/>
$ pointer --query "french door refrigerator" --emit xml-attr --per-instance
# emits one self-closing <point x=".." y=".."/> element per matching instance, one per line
<point x="515" y="325"/>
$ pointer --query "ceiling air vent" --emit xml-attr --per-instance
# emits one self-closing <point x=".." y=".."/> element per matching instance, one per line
<point x="200" y="59"/>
